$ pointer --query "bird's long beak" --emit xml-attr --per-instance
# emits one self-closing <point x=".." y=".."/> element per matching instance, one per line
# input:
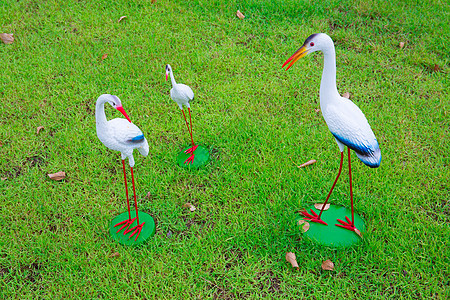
<point x="296" y="56"/>
<point x="120" y="108"/>
<point x="167" y="76"/>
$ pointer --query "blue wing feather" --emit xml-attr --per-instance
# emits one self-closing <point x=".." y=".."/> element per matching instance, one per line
<point x="369" y="154"/>
<point x="137" y="139"/>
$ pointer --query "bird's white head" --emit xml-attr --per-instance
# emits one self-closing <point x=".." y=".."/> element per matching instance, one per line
<point x="315" y="42"/>
<point x="115" y="102"/>
<point x="168" y="70"/>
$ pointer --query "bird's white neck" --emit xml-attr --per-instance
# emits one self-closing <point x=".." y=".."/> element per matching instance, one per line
<point x="328" y="89"/>
<point x="100" y="116"/>
<point x="172" y="79"/>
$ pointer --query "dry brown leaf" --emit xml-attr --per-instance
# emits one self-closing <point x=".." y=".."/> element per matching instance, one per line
<point x="104" y="56"/>
<point x="7" y="38"/>
<point x="401" y="45"/>
<point x="190" y="206"/>
<point x="121" y="18"/>
<point x="39" y="129"/>
<point x="57" y="176"/>
<point x="358" y="232"/>
<point x="328" y="265"/>
<point x="316" y="110"/>
<point x="290" y="257"/>
<point x="320" y="205"/>
<point x="153" y="1"/>
<point x="304" y="226"/>
<point x="115" y="254"/>
<point x="240" y="15"/>
<point x="436" y="68"/>
<point x="346" y="95"/>
<point x="309" y="162"/>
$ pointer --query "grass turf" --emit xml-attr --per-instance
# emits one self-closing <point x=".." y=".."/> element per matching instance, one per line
<point x="255" y="118"/>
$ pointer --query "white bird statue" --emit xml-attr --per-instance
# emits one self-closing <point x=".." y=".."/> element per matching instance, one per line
<point x="182" y="94"/>
<point x="345" y="120"/>
<point x="123" y="136"/>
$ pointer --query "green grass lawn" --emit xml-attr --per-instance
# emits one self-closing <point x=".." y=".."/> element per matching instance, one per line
<point x="259" y="122"/>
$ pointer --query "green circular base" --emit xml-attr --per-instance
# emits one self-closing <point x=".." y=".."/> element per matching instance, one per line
<point x="202" y="157"/>
<point x="148" y="230"/>
<point x="332" y="235"/>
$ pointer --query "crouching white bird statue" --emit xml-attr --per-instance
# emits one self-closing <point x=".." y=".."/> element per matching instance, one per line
<point x="123" y="136"/>
<point x="345" y="120"/>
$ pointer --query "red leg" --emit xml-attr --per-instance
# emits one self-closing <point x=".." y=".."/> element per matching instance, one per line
<point x="350" y="225"/>
<point x="138" y="228"/>
<point x="128" y="222"/>
<point x="187" y="125"/>
<point x="194" y="147"/>
<point x="313" y="217"/>
<point x="126" y="187"/>
<point x="190" y="122"/>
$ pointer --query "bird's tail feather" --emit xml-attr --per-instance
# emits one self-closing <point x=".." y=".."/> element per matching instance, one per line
<point x="144" y="148"/>
<point x="372" y="159"/>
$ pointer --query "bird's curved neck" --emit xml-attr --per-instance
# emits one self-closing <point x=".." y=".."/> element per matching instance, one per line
<point x="172" y="79"/>
<point x="100" y="116"/>
<point x="328" y="89"/>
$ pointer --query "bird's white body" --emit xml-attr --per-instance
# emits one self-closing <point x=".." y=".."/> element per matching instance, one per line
<point x="180" y="93"/>
<point x="345" y="120"/>
<point x="119" y="134"/>
<point x="349" y="126"/>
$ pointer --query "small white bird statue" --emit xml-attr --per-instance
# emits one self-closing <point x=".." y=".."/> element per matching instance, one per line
<point x="182" y="94"/>
<point x="345" y="120"/>
<point x="123" y="136"/>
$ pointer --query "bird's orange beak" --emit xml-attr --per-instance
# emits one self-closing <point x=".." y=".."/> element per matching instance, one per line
<point x="296" y="56"/>
<point x="120" y="108"/>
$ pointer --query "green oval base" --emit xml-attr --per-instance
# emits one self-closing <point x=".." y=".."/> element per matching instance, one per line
<point x="332" y="235"/>
<point x="148" y="230"/>
<point x="201" y="158"/>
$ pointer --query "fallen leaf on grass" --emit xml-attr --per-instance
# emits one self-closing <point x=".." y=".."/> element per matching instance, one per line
<point x="39" y="129"/>
<point x="57" y="176"/>
<point x="115" y="254"/>
<point x="290" y="257"/>
<point x="316" y="110"/>
<point x="4" y="178"/>
<point x="304" y="226"/>
<point x="401" y="45"/>
<point x="121" y="18"/>
<point x="104" y="56"/>
<point x="7" y="38"/>
<point x="358" y="232"/>
<point x="436" y="68"/>
<point x="240" y="15"/>
<point x="309" y="162"/>
<point x="346" y="95"/>
<point x="320" y="205"/>
<point x="190" y="206"/>
<point x="328" y="265"/>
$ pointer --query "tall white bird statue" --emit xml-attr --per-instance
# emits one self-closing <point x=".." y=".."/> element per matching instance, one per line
<point x="123" y="136"/>
<point x="345" y="120"/>
<point x="182" y="94"/>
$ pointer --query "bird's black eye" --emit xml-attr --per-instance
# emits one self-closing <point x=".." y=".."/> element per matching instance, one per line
<point x="114" y="104"/>
<point x="311" y="44"/>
